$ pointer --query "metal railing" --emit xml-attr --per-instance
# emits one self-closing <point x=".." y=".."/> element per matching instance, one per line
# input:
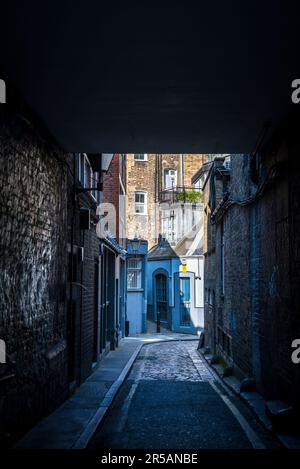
<point x="182" y="194"/>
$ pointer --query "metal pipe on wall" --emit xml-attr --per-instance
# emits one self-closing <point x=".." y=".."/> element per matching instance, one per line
<point x="181" y="170"/>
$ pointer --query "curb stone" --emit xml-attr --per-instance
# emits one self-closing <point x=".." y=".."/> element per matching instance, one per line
<point x="256" y="404"/>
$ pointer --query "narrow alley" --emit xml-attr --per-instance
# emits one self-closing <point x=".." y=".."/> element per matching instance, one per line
<point x="172" y="400"/>
<point x="149" y="229"/>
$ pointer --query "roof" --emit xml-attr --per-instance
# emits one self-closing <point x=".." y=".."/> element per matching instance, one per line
<point x="113" y="244"/>
<point x="204" y="169"/>
<point x="162" y="250"/>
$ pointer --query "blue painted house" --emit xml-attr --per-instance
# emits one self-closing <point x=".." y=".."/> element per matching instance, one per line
<point x="175" y="282"/>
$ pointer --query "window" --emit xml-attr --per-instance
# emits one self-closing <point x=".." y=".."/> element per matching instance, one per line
<point x="134" y="274"/>
<point x="80" y="167"/>
<point x="86" y="172"/>
<point x="170" y="178"/>
<point x="94" y="184"/>
<point x="140" y="156"/>
<point x="168" y="226"/>
<point x="227" y="162"/>
<point x="87" y="176"/>
<point x="140" y="199"/>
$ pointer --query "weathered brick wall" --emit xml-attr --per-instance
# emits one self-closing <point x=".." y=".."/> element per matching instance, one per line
<point x="233" y="306"/>
<point x="275" y="311"/>
<point x="86" y="290"/>
<point x="141" y="177"/>
<point x="258" y="314"/>
<point x="210" y="200"/>
<point x="293" y="302"/>
<point x="33" y="236"/>
<point x="192" y="163"/>
<point x="209" y="274"/>
<point x="149" y="176"/>
<point x="111" y="193"/>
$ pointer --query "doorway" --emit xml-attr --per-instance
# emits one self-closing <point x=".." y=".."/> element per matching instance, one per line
<point x="96" y="345"/>
<point x="161" y="300"/>
<point x="185" y="301"/>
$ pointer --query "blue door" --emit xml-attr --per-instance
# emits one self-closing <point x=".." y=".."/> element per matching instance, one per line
<point x="185" y="301"/>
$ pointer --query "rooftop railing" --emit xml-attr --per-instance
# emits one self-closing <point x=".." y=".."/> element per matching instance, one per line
<point x="184" y="194"/>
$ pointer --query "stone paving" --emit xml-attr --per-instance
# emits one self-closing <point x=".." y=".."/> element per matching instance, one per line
<point x="171" y="400"/>
<point x="178" y="366"/>
<point x="63" y="428"/>
<point x="168" y="400"/>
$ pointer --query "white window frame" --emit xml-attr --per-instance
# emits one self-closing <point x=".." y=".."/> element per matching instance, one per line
<point x="166" y="171"/>
<point x="145" y="157"/>
<point x="139" y="203"/>
<point x="138" y="269"/>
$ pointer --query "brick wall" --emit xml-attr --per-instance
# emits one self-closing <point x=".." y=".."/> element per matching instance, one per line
<point x="86" y="294"/>
<point x="148" y="176"/>
<point x="276" y="321"/>
<point x="141" y="177"/>
<point x="253" y="322"/>
<point x="33" y="237"/>
<point x="233" y="305"/>
<point x="111" y="193"/>
<point x="43" y="334"/>
<point x="192" y="163"/>
<point x="210" y="201"/>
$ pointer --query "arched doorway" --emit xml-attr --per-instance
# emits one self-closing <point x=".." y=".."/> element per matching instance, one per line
<point x="161" y="296"/>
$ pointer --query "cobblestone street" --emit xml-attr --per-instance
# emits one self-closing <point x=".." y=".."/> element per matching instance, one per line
<point x="170" y="361"/>
<point x="172" y="400"/>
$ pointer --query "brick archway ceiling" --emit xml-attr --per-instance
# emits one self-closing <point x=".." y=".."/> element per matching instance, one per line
<point x="153" y="76"/>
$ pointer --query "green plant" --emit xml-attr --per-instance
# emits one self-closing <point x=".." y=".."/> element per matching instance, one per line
<point x="192" y="197"/>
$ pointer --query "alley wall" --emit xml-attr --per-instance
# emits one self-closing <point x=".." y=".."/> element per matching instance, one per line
<point x="33" y="266"/>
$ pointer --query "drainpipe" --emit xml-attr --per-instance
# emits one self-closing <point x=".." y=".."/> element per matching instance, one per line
<point x="182" y="189"/>
<point x="181" y="170"/>
<point x="156" y="196"/>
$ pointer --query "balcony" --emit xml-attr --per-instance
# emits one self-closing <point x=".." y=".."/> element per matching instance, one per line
<point x="183" y="194"/>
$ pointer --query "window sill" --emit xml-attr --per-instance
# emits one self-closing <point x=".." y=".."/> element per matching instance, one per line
<point x="133" y="290"/>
